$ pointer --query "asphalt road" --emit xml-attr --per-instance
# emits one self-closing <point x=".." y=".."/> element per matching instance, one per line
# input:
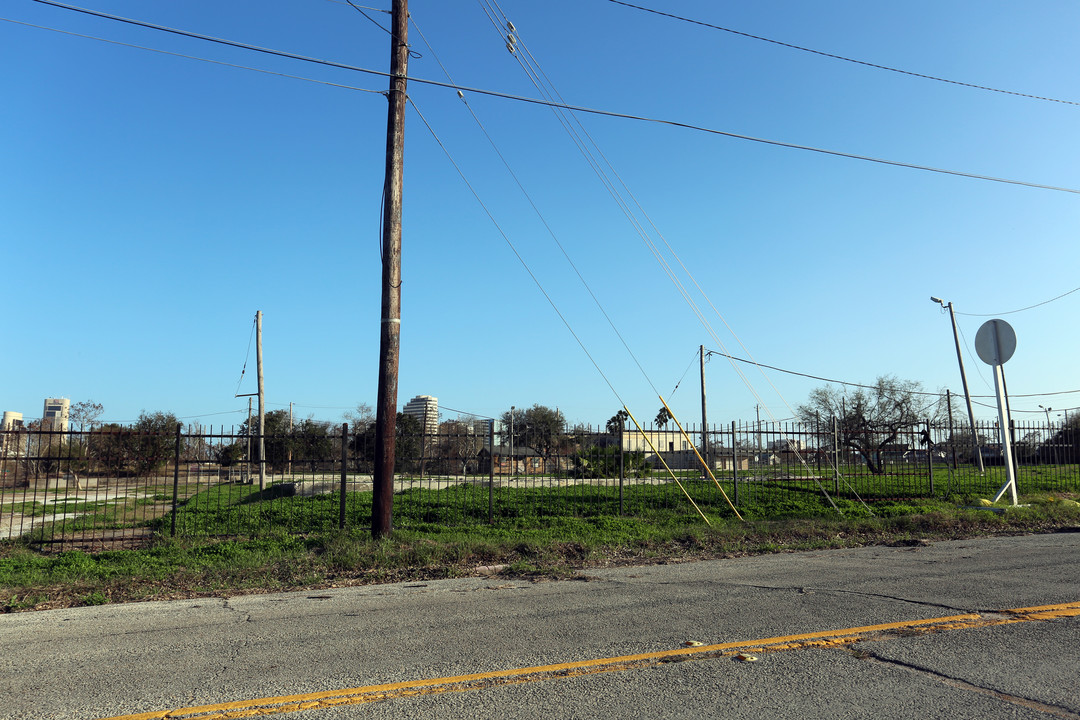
<point x="835" y="634"/>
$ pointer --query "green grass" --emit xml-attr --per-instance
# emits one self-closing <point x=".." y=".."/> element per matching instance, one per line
<point x="527" y="544"/>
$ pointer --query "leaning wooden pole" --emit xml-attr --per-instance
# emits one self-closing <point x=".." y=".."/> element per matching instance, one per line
<point x="390" y="325"/>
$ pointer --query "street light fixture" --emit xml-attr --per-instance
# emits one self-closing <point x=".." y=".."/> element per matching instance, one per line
<point x="963" y="379"/>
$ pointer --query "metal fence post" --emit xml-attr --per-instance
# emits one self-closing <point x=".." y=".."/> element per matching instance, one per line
<point x="344" y="467"/>
<point x="930" y="456"/>
<point x="836" y="455"/>
<point x="491" y="472"/>
<point x="734" y="465"/>
<point x="176" y="480"/>
<point x="622" y="463"/>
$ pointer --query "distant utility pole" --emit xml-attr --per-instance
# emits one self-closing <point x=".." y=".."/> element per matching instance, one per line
<point x="262" y="401"/>
<point x="704" y="418"/>
<point x="390" y="330"/>
<point x="963" y="379"/>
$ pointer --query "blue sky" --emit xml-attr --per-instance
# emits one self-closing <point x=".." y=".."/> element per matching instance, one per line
<point x="151" y="204"/>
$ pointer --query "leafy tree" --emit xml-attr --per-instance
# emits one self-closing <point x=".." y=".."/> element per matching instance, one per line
<point x="662" y="417"/>
<point x="109" y="446"/>
<point x="311" y="441"/>
<point x="153" y="443"/>
<point x="538" y="427"/>
<point x="228" y="455"/>
<point x="1064" y="445"/>
<point x="869" y="418"/>
<point x="408" y="434"/>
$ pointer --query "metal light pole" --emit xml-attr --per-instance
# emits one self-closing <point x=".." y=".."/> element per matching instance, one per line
<point x="513" y="462"/>
<point x="963" y="379"/>
<point x="1050" y="431"/>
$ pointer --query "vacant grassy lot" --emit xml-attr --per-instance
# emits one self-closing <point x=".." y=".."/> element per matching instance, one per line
<point x="522" y="544"/>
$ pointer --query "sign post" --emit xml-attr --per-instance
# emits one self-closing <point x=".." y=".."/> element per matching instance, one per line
<point x="995" y="343"/>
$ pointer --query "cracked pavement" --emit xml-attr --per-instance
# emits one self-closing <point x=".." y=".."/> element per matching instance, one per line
<point x="115" y="660"/>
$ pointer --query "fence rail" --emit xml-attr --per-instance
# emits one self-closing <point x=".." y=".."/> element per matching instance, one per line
<point x="104" y="488"/>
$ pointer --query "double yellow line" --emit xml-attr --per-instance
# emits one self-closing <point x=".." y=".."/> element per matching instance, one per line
<point x="460" y="683"/>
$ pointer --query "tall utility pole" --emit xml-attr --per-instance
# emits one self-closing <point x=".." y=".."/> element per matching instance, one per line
<point x="390" y="331"/>
<point x="963" y="379"/>
<point x="704" y="418"/>
<point x="262" y="401"/>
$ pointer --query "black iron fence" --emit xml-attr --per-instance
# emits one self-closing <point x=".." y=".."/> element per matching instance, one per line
<point x="116" y="487"/>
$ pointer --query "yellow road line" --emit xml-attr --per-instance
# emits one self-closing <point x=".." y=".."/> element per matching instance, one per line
<point x="458" y="683"/>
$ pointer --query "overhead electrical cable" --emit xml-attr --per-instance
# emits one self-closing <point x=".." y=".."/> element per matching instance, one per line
<point x="572" y="108"/>
<point x="535" y="72"/>
<point x="514" y="249"/>
<point x="524" y="58"/>
<point x="194" y="57"/>
<point x="360" y="7"/>
<point x="602" y="166"/>
<point x="841" y="57"/>
<point x="536" y="209"/>
<point x="1023" y="309"/>
<point x="869" y="387"/>
<point x="247" y="356"/>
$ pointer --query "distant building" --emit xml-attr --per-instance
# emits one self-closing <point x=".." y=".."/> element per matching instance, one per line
<point x="484" y="429"/>
<point x="788" y="445"/>
<point x="11" y="421"/>
<point x="425" y="409"/>
<point x="55" y="415"/>
<point x="654" y="441"/>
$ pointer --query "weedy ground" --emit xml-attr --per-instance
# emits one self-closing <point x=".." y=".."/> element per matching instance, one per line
<point x="527" y="547"/>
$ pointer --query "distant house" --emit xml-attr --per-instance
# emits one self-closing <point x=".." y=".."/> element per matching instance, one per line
<point x="664" y="441"/>
<point x="522" y="461"/>
<point x="688" y="460"/>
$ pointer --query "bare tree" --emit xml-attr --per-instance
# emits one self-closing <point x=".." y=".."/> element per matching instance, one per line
<point x="85" y="413"/>
<point x="869" y="418"/>
<point x="460" y="442"/>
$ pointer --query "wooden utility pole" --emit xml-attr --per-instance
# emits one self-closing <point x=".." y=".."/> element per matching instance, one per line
<point x="262" y="400"/>
<point x="390" y="331"/>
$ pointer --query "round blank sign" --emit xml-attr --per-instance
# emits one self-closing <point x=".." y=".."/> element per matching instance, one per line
<point x="995" y="342"/>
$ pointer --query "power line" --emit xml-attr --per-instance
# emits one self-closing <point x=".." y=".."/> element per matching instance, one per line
<point x="524" y="264"/>
<point x="564" y="106"/>
<point x="466" y="412"/>
<point x="870" y="387"/>
<point x="193" y="57"/>
<point x="841" y="57"/>
<point x="1029" y="307"/>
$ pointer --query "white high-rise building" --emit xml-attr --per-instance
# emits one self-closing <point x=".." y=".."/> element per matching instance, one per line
<point x="55" y="414"/>
<point x="12" y="421"/>
<point x="425" y="409"/>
